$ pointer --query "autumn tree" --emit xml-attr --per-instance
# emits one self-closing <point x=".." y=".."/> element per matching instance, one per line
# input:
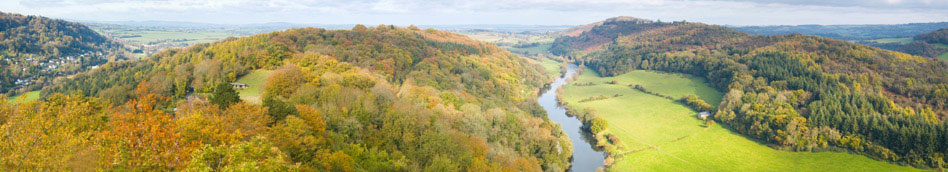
<point x="206" y="124"/>
<point x="140" y="137"/>
<point x="303" y="137"/>
<point x="284" y="81"/>
<point x="257" y="154"/>
<point x="55" y="135"/>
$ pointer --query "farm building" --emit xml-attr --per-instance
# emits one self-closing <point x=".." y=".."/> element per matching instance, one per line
<point x="704" y="115"/>
<point x="239" y="85"/>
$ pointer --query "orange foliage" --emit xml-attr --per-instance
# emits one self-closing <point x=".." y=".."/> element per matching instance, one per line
<point x="142" y="137"/>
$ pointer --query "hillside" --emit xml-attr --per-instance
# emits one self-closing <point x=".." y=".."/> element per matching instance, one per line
<point x="34" y="50"/>
<point x="848" y="32"/>
<point x="367" y="99"/>
<point x="934" y="44"/>
<point x="793" y="92"/>
<point x="597" y="35"/>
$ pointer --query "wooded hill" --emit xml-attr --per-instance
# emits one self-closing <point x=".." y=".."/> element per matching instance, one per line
<point x="367" y="99"/>
<point x="931" y="44"/>
<point x="795" y="92"/>
<point x="34" y="50"/>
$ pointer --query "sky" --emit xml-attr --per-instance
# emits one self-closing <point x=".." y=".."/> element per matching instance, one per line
<point x="462" y="12"/>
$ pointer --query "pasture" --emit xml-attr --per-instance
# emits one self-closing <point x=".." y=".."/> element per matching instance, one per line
<point x="551" y="67"/>
<point x="25" y="97"/>
<point x="255" y="80"/>
<point x="659" y="134"/>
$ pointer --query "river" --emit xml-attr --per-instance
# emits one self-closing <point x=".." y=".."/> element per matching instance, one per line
<point x="585" y="158"/>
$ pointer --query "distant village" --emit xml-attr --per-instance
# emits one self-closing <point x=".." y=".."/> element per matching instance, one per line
<point x="49" y="65"/>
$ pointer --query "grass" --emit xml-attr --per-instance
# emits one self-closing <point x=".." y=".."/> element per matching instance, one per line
<point x="905" y="40"/>
<point x="942" y="56"/>
<point x="941" y="45"/>
<point x="509" y="38"/>
<point x="145" y="36"/>
<point x="551" y="67"/>
<point x="26" y="97"/>
<point x="662" y="135"/>
<point x="542" y="48"/>
<point x="255" y="79"/>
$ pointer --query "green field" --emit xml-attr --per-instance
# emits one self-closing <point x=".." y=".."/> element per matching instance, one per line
<point x="662" y="135"/>
<point x="551" y="67"/>
<point x="542" y="48"/>
<point x="905" y="40"/>
<point x="145" y="36"/>
<point x="255" y="79"/>
<point x="26" y="97"/>
<point x="945" y="55"/>
<point x="509" y="38"/>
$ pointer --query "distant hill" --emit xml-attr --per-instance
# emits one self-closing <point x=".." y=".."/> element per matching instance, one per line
<point x="847" y="32"/>
<point x="35" y="49"/>
<point x="794" y="91"/>
<point x="593" y="36"/>
<point x="934" y="44"/>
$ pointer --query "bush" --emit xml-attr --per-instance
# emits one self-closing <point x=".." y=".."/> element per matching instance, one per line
<point x="597" y="125"/>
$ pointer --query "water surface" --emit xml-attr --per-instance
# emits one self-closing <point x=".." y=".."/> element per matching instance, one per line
<point x="585" y="158"/>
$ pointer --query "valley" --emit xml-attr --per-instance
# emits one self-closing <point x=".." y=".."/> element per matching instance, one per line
<point x="658" y="134"/>
<point x="523" y="86"/>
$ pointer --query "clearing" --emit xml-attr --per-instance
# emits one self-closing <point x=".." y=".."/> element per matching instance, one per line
<point x="552" y="67"/>
<point x="254" y="80"/>
<point x="902" y="41"/>
<point x="25" y="97"/>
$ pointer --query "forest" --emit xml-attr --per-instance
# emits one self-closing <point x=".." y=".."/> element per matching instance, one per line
<point x="847" y="32"/>
<point x="932" y="44"/>
<point x="381" y="98"/>
<point x="793" y="92"/>
<point x="35" y="50"/>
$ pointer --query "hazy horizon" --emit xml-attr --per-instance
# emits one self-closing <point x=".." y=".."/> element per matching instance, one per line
<point x="489" y="12"/>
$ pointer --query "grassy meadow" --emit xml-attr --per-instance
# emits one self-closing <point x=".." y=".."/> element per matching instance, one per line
<point x="25" y="97"/>
<point x="145" y="36"/>
<point x="255" y="79"/>
<point x="659" y="134"/>
<point x="945" y="55"/>
<point x="541" y="48"/>
<point x="551" y="67"/>
<point x="904" y="40"/>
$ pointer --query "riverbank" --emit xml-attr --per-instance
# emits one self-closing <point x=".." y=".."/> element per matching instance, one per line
<point x="584" y="156"/>
<point x="660" y="134"/>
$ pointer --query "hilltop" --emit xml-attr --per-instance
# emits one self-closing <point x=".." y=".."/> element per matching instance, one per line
<point x="379" y="98"/>
<point x="34" y="50"/>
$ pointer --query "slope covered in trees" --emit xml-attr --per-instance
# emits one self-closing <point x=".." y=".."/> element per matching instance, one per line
<point x="34" y="50"/>
<point x="368" y="99"/>
<point x="848" y="32"/>
<point x="792" y="91"/>
<point x="932" y="44"/>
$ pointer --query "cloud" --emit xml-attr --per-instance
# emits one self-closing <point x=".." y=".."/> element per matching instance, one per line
<point x="888" y="4"/>
<point x="548" y="12"/>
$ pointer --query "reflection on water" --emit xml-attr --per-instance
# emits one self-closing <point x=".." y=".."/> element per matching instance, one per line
<point x="585" y="157"/>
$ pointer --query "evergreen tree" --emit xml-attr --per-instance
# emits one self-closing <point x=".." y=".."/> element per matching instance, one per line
<point x="224" y="95"/>
<point x="278" y="110"/>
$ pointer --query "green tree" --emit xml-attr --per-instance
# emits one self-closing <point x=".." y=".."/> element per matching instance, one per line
<point x="224" y="95"/>
<point x="277" y="109"/>
<point x="598" y="125"/>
